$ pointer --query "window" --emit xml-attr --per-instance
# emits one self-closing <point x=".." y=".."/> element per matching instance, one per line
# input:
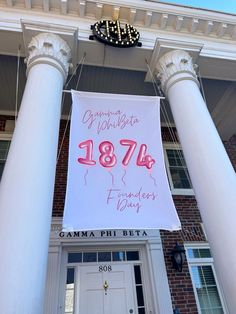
<point x="139" y="289"/>
<point x="70" y="291"/>
<point x="206" y="289"/>
<point x="4" y="147"/>
<point x="108" y="256"/>
<point x="177" y="171"/>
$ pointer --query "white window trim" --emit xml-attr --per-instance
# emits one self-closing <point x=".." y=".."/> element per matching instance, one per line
<point x="203" y="262"/>
<point x="174" y="191"/>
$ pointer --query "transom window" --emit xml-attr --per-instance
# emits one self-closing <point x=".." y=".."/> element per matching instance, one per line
<point x="108" y="256"/>
<point x="177" y="171"/>
<point x="206" y="289"/>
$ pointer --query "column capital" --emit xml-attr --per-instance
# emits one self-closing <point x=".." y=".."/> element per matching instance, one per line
<point x="51" y="49"/>
<point x="174" y="66"/>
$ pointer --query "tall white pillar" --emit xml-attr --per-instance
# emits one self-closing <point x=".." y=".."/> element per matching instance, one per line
<point x="211" y="172"/>
<point x="27" y="185"/>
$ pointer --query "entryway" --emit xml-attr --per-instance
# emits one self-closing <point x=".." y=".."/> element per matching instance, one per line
<point x="105" y="282"/>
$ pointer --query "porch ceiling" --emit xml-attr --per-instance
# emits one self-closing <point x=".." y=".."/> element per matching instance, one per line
<point x="220" y="95"/>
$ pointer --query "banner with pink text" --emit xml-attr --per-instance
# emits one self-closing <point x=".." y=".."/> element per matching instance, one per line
<point x="116" y="172"/>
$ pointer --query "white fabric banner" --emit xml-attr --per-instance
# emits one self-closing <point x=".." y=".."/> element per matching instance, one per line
<point x="116" y="173"/>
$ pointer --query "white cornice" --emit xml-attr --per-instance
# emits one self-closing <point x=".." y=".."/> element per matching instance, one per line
<point x="212" y="34"/>
<point x="145" y="14"/>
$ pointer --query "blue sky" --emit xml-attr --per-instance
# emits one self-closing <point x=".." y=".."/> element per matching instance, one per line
<point x="228" y="6"/>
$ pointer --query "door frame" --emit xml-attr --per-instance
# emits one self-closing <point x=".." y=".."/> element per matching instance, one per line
<point x="146" y="280"/>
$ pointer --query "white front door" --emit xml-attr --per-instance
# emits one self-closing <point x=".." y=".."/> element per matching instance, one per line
<point x="106" y="289"/>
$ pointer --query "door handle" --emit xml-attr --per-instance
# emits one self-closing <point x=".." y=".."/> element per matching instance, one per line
<point x="131" y="311"/>
<point x="105" y="287"/>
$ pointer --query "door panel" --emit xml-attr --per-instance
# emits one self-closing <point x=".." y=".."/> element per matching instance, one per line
<point x="116" y="302"/>
<point x="91" y="281"/>
<point x="94" y="303"/>
<point x="118" y="298"/>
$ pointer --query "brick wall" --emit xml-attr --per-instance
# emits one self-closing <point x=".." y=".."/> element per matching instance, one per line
<point x="61" y="171"/>
<point x="180" y="283"/>
<point x="231" y="150"/>
<point x="3" y="120"/>
<point x="2" y="125"/>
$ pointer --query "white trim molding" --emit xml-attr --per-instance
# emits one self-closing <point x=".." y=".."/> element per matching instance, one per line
<point x="201" y="262"/>
<point x="174" y="191"/>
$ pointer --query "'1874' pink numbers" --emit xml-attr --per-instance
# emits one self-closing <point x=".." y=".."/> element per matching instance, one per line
<point x="108" y="158"/>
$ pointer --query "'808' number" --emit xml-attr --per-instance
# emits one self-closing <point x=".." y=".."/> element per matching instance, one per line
<point x="105" y="268"/>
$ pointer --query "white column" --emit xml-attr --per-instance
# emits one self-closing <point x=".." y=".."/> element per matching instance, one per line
<point x="161" y="290"/>
<point x="53" y="280"/>
<point x="211" y="172"/>
<point x="27" y="185"/>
